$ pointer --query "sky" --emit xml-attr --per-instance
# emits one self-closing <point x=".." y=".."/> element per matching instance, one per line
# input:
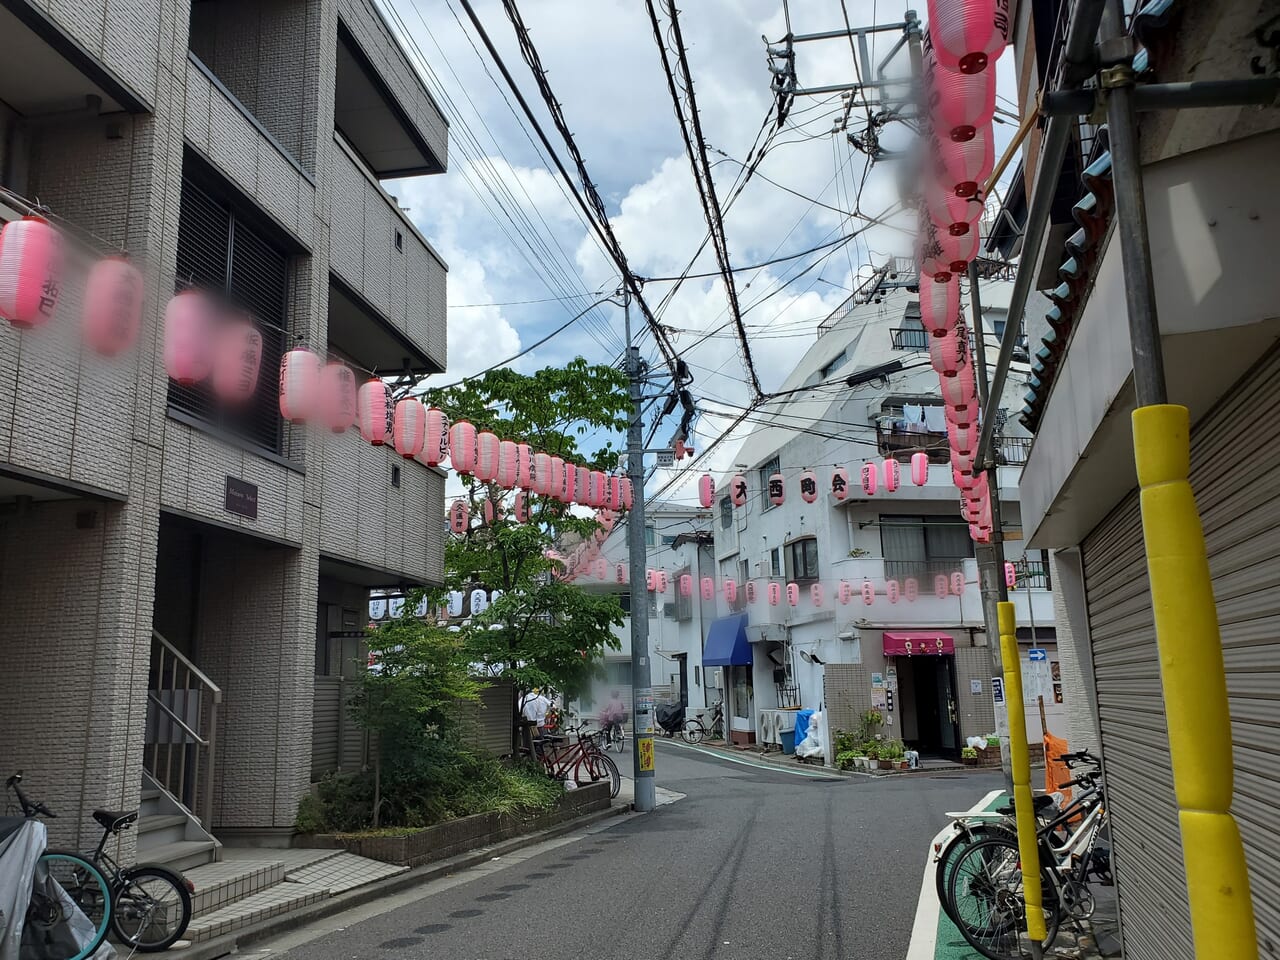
<point x="521" y="261"/>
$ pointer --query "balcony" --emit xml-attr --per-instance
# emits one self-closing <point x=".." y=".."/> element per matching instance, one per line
<point x="909" y="338"/>
<point x="902" y="444"/>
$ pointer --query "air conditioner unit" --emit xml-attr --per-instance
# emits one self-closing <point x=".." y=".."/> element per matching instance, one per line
<point x="783" y="720"/>
<point x="768" y="732"/>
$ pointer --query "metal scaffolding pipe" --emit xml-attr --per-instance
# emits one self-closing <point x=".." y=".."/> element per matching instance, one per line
<point x="1172" y="96"/>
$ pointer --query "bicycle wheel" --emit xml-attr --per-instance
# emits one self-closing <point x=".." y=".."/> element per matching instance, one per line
<point x="151" y="909"/>
<point x="952" y="851"/>
<point x="693" y="731"/>
<point x="594" y="767"/>
<point x="985" y="892"/>
<point x="619" y="739"/>
<point x="70" y="909"/>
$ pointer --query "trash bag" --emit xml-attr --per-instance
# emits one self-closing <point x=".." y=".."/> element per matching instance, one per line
<point x="670" y="716"/>
<point x="813" y="744"/>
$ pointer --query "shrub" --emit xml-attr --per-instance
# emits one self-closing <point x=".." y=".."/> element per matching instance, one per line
<point x="844" y="761"/>
<point x="968" y="753"/>
<point x="845" y="742"/>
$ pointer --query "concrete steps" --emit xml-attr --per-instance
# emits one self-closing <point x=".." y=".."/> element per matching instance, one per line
<point x="169" y="834"/>
<point x="220" y="884"/>
<point x="270" y="902"/>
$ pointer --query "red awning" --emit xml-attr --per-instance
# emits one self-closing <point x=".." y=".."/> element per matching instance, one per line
<point x="907" y="643"/>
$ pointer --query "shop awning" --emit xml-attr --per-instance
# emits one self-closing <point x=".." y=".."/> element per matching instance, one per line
<point x="727" y="643"/>
<point x="908" y="643"/>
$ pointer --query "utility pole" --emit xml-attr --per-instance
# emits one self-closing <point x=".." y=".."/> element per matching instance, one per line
<point x="641" y="684"/>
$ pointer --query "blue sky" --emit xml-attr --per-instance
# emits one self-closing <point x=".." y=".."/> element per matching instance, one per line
<point x="603" y="64"/>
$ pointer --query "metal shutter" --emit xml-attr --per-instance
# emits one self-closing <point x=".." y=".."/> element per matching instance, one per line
<point x="1235" y="473"/>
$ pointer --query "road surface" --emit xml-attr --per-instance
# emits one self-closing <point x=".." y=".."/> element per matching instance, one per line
<point x="753" y="864"/>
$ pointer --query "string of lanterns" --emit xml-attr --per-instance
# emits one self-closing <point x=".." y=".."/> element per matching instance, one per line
<point x="888" y="472"/>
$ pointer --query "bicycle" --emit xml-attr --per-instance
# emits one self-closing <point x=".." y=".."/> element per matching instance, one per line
<point x="695" y="730"/>
<point x="614" y="736"/>
<point x="149" y="905"/>
<point x="580" y="762"/>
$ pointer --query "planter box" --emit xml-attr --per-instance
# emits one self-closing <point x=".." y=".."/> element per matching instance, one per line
<point x="885" y="764"/>
<point x="988" y="757"/>
<point x="444" y="840"/>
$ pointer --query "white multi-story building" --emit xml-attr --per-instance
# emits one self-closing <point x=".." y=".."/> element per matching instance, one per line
<point x="926" y="662"/>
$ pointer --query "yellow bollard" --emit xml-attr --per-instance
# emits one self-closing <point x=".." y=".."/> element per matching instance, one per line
<point x="1024" y="811"/>
<point x="1195" y="687"/>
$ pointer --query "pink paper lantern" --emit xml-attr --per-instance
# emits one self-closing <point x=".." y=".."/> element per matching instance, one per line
<point x="237" y="360"/>
<point x="30" y="272"/>
<point x="435" y="442"/>
<point x="626" y="493"/>
<point x="508" y="461"/>
<point x="919" y="469"/>
<point x="188" y="332"/>
<point x="299" y="385"/>
<point x="750" y="590"/>
<point x="964" y="167"/>
<point x="964" y="439"/>
<point x="965" y="480"/>
<point x="598" y="486"/>
<point x="491" y="512"/>
<point x="966" y="35"/>
<point x="615" y="493"/>
<point x="524" y="466"/>
<point x="959" y="103"/>
<point x="708" y="588"/>
<point x="600" y="567"/>
<point x="808" y="486"/>
<point x="939" y="306"/>
<point x="706" y="490"/>
<point x="775" y="594"/>
<point x="651" y="580"/>
<point x="958" y="251"/>
<point x="621" y="574"/>
<point x="686" y="585"/>
<point x="962" y="461"/>
<point x="738" y="490"/>
<point x="793" y="594"/>
<point x="816" y="594"/>
<point x="462" y="447"/>
<point x="957" y="583"/>
<point x="488" y="450"/>
<point x="113" y="294"/>
<point x="959" y="391"/>
<point x="459" y="516"/>
<point x="777" y="489"/>
<point x="338" y="392"/>
<point x="931" y="263"/>
<point x="892" y="471"/>
<point x="868" y="592"/>
<point x="892" y="590"/>
<point x="911" y="589"/>
<point x="870" y="479"/>
<point x="520" y="507"/>
<point x="541" y="474"/>
<point x="940" y="586"/>
<point x="964" y="416"/>
<point x="949" y="214"/>
<point x="409" y="428"/>
<point x="663" y="581"/>
<point x="840" y="483"/>
<point x="557" y="478"/>
<point x="568" y="478"/>
<point x="1010" y="574"/>
<point x="375" y="410"/>
<point x="978" y="534"/>
<point x="730" y="591"/>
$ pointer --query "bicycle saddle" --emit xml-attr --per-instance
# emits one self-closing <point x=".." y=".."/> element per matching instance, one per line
<point x="114" y="820"/>
<point x="1040" y="803"/>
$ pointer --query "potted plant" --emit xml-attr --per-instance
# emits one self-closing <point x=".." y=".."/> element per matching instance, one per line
<point x="872" y="752"/>
<point x="969" y="756"/>
<point x="893" y="756"/>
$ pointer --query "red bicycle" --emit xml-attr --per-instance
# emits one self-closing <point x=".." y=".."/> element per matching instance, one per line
<point x="581" y="761"/>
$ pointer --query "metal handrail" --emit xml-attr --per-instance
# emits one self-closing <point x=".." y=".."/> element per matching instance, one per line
<point x="171" y="665"/>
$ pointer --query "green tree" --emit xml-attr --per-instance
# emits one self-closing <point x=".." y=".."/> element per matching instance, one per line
<point x="542" y="632"/>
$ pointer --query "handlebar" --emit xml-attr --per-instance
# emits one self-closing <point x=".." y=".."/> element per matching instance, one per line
<point x="1080" y="756"/>
<point x="29" y="809"/>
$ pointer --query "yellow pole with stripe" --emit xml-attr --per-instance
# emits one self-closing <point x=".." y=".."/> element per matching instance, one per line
<point x="1195" y="687"/>
<point x="1024" y="811"/>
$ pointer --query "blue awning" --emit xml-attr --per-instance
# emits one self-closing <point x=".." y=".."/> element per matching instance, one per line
<point x="727" y="643"/>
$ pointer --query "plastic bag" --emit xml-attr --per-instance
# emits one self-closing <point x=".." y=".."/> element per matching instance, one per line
<point x="813" y="745"/>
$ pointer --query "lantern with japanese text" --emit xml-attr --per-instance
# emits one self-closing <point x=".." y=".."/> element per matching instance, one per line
<point x="930" y="261"/>
<point x="870" y="479"/>
<point x="730" y="591"/>
<point x="840" y="483"/>
<point x="911" y="589"/>
<point x="599" y="489"/>
<point x="621" y="574"/>
<point x="409" y="428"/>
<point x="793" y="594"/>
<point x="749" y="589"/>
<point x="492" y="512"/>
<point x="816" y="594"/>
<point x="775" y="594"/>
<point x="844" y="592"/>
<point x="338" y="393"/>
<point x="706" y="490"/>
<point x="948" y="353"/>
<point x="568" y="480"/>
<point x="488" y="449"/>
<point x="959" y="391"/>
<point x="868" y="592"/>
<point x="237" y="358"/>
<point x="615" y="492"/>
<point x="555" y="474"/>
<point x="479" y="601"/>
<point x="808" y="486"/>
<point x="1010" y="574"/>
<point x="508" y="455"/>
<point x="892" y="590"/>
<point x="31" y="272"/>
<point x="738" y="490"/>
<point x="651" y="579"/>
<point x="459" y="515"/>
<point x="524" y="466"/>
<point x="939" y="306"/>
<point x="542" y="474"/>
<point x="462" y="447"/>
<point x="435" y="445"/>
<point x="188" y="332"/>
<point x="966" y="35"/>
<point x="964" y="166"/>
<point x="299" y="385"/>
<point x="520" y="507"/>
<point x="892" y="471"/>
<point x="663" y="581"/>
<point x="686" y="585"/>
<point x="600" y="567"/>
<point x="708" y="588"/>
<point x="919" y="469"/>
<point x="375" y="410"/>
<point x="626" y="493"/>
<point x="777" y="489"/>
<point x="959" y="104"/>
<point x="957" y="583"/>
<point x="113" y="307"/>
<point x="940" y="586"/>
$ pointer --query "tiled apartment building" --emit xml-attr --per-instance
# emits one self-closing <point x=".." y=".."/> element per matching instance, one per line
<point x="182" y="591"/>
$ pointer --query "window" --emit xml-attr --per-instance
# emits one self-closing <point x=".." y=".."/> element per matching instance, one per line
<point x="834" y="364"/>
<point x="775" y="562"/>
<point x="395" y="476"/>
<point x="400" y="241"/>
<point x="650" y="536"/>
<point x="219" y="252"/>
<point x="726" y="513"/>
<point x="682" y="609"/>
<point x="923" y="546"/>
<point x="618" y="673"/>
<point x="767" y="471"/>
<point x="802" y="559"/>
<point x="668" y="541"/>
<point x="624" y="601"/>
<point x="744" y="573"/>
<point x="697" y="675"/>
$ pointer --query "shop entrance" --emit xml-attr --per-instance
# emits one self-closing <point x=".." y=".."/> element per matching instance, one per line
<point x="933" y="687"/>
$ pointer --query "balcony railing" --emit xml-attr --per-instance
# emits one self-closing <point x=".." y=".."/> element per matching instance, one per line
<point x="900" y="445"/>
<point x="923" y="571"/>
<point x="1013" y="450"/>
<point x="909" y="338"/>
<point x="1033" y="573"/>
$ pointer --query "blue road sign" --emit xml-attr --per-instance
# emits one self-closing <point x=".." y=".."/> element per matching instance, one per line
<point x="1038" y="655"/>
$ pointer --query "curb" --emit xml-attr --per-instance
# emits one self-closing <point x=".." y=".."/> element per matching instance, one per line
<point x="794" y="766"/>
<point x="285" y="922"/>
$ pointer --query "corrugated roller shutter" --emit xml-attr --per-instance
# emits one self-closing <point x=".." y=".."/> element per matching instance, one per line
<point x="1235" y="474"/>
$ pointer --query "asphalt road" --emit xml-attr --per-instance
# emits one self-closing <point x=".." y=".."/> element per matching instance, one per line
<point x="753" y="863"/>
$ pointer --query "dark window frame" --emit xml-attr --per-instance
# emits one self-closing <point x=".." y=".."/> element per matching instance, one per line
<point x="802" y="563"/>
<point x="768" y="469"/>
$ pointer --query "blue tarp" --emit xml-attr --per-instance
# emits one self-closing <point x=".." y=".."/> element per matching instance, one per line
<point x="727" y="643"/>
<point x="802" y="723"/>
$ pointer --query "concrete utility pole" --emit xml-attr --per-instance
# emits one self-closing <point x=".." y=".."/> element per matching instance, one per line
<point x="641" y="684"/>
